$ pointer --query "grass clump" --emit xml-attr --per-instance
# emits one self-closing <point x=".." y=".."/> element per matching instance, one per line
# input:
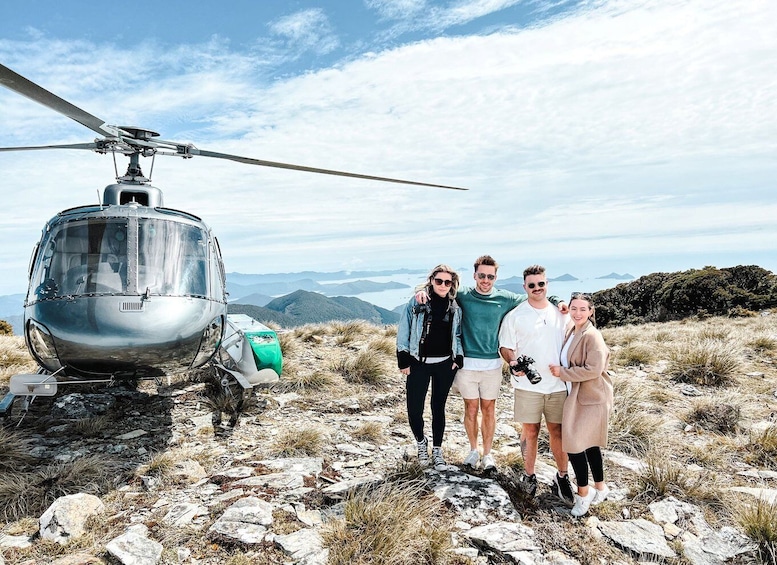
<point x="763" y="344"/>
<point x="759" y="522"/>
<point x="762" y="448"/>
<point x="298" y="443"/>
<point x="708" y="362"/>
<point x="29" y="493"/>
<point x="288" y="342"/>
<point x="634" y="355"/>
<point x="397" y="523"/>
<point x="662" y="478"/>
<point x="385" y="344"/>
<point x="299" y="380"/>
<point x="350" y="331"/>
<point x="632" y="428"/>
<point x="715" y="417"/>
<point x="365" y="367"/>
<point x="369" y="431"/>
<point x="14" y="450"/>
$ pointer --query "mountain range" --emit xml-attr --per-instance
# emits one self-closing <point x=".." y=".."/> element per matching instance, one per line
<point x="304" y="307"/>
<point x="277" y="298"/>
<point x="274" y="288"/>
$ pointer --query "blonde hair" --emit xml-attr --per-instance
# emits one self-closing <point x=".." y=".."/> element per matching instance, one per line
<point x="442" y="268"/>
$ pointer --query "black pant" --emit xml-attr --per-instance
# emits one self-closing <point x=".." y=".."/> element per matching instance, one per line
<point x="580" y="462"/>
<point x="441" y="376"/>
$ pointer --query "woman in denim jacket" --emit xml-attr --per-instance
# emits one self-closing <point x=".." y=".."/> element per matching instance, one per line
<point x="429" y="350"/>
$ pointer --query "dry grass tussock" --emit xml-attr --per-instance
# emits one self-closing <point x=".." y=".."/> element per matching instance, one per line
<point x="29" y="491"/>
<point x="397" y="523"/>
<point x="759" y="522"/>
<point x="305" y="442"/>
<point x="14" y="358"/>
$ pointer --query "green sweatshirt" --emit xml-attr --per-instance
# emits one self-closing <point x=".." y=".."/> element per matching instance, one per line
<point x="481" y="317"/>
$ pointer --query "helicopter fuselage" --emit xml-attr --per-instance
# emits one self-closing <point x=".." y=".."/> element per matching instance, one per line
<point x="125" y="290"/>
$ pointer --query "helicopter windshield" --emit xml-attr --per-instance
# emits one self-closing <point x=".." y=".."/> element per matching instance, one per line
<point x="83" y="257"/>
<point x="172" y="258"/>
<point x="89" y="257"/>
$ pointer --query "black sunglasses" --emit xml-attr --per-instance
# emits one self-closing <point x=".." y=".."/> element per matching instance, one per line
<point x="540" y="284"/>
<point x="485" y="276"/>
<point x="581" y="296"/>
<point x="446" y="282"/>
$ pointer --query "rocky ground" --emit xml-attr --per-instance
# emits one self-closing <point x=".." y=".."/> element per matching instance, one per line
<point x="171" y="481"/>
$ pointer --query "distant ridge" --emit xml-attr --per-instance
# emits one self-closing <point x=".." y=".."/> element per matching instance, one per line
<point x="239" y="292"/>
<point x="304" y="307"/>
<point x="566" y="277"/>
<point x="249" y="279"/>
<point x="616" y="276"/>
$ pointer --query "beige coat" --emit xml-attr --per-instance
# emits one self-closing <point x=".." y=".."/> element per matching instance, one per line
<point x="587" y="408"/>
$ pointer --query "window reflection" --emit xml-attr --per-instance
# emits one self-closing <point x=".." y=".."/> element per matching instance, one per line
<point x="172" y="258"/>
<point x="89" y="257"/>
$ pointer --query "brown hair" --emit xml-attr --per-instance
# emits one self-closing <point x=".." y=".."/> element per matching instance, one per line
<point x="588" y="298"/>
<point x="442" y="268"/>
<point x="533" y="270"/>
<point x="486" y="260"/>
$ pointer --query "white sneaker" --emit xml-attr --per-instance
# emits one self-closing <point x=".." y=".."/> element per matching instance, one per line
<point x="438" y="460"/>
<point x="488" y="462"/>
<point x="472" y="459"/>
<point x="601" y="495"/>
<point x="582" y="503"/>
<point x="423" y="452"/>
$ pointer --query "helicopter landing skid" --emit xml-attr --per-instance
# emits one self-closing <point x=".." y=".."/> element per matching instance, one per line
<point x="5" y="404"/>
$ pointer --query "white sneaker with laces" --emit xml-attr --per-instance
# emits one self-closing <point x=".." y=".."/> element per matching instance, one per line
<point x="472" y="459"/>
<point x="423" y="452"/>
<point x="582" y="503"/>
<point x="601" y="495"/>
<point x="488" y="462"/>
<point x="437" y="459"/>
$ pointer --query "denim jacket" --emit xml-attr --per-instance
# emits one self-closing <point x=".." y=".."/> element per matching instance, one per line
<point x="411" y="324"/>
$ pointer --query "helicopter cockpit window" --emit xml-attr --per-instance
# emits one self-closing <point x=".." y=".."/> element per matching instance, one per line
<point x="172" y="258"/>
<point x="83" y="257"/>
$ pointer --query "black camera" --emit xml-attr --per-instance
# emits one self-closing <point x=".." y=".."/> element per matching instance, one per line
<point x="523" y="365"/>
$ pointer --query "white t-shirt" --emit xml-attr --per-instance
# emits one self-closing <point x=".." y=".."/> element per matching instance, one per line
<point x="539" y="334"/>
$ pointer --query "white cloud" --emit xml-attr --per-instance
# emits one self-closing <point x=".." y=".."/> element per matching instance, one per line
<point x="306" y="30"/>
<point x="616" y="132"/>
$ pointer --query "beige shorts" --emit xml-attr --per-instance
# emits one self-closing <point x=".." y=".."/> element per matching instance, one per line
<point x="530" y="406"/>
<point x="478" y="384"/>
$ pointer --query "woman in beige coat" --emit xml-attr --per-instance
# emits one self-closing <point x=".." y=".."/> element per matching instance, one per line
<point x="584" y="358"/>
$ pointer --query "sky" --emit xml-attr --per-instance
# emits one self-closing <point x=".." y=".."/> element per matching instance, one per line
<point x="594" y="136"/>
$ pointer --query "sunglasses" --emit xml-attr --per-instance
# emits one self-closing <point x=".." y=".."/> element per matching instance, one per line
<point x="485" y="276"/>
<point x="446" y="282"/>
<point x="540" y="284"/>
<point x="581" y="295"/>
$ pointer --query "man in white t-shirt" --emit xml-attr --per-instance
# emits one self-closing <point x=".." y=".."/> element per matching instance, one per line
<point x="535" y="329"/>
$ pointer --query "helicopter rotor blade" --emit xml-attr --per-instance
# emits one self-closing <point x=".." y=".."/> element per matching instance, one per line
<point x="130" y="140"/>
<point x="25" y="87"/>
<point x="277" y="165"/>
<point x="90" y="146"/>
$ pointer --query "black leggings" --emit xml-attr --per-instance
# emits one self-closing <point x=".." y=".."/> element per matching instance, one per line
<point x="580" y="462"/>
<point x="441" y="376"/>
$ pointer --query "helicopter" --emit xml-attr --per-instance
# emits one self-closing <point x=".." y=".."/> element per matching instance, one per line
<point x="129" y="289"/>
